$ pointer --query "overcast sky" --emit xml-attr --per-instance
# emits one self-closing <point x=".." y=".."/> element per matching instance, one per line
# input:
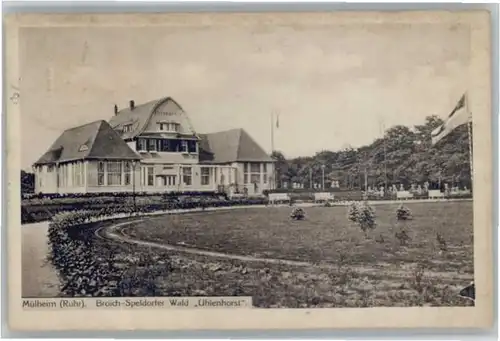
<point x="332" y="85"/>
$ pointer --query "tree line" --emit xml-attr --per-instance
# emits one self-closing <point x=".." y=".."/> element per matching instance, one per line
<point x="404" y="155"/>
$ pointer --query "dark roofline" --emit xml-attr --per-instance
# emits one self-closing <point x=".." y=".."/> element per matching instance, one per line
<point x="83" y="125"/>
<point x="222" y="131"/>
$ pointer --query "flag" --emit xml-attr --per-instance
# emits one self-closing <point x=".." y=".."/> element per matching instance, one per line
<point x="277" y="121"/>
<point x="459" y="116"/>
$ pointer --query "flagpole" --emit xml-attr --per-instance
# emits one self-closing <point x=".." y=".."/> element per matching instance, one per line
<point x="385" y="156"/>
<point x="275" y="185"/>
<point x="272" y="131"/>
<point x="469" y="135"/>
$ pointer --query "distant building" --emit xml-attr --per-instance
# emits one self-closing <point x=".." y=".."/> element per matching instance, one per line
<point x="152" y="147"/>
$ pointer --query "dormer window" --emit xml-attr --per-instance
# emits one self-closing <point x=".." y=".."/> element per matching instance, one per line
<point x="184" y="146"/>
<point x="142" y="145"/>
<point x="168" y="127"/>
<point x="152" y="145"/>
<point x="127" y="128"/>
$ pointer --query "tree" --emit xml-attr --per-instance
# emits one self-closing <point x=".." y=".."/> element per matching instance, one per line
<point x="404" y="155"/>
<point x="27" y="182"/>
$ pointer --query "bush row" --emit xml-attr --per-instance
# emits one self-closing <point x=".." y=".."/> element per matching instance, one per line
<point x="31" y="214"/>
<point x="80" y="270"/>
<point x="90" y="267"/>
<point x="116" y="194"/>
<point x="98" y="198"/>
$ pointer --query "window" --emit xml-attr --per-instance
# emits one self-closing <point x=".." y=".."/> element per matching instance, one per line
<point x="192" y="146"/>
<point x="166" y="126"/>
<point x="100" y="174"/>
<point x="151" y="176"/>
<point x="78" y="174"/>
<point x="61" y="177"/>
<point x="205" y="176"/>
<point x="128" y="173"/>
<point x="114" y="173"/>
<point x="245" y="173"/>
<point x="127" y="128"/>
<point x="255" y="175"/>
<point x="255" y="168"/>
<point x="152" y="145"/>
<point x="187" y="176"/>
<point x="264" y="170"/>
<point x="170" y="180"/>
<point x="142" y="145"/>
<point x="164" y="145"/>
<point x="50" y="169"/>
<point x="184" y="146"/>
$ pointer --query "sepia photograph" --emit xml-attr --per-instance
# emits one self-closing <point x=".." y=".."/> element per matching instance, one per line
<point x="266" y="161"/>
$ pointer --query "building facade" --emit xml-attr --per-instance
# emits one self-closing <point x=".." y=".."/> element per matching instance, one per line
<point x="153" y="148"/>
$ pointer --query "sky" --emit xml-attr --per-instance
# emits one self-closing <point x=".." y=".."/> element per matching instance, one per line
<point x="332" y="85"/>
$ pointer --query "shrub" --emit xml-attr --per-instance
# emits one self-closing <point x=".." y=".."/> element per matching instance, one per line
<point x="441" y="242"/>
<point x="403" y="237"/>
<point x="403" y="213"/>
<point x="417" y="281"/>
<point x="353" y="212"/>
<point x="298" y="214"/>
<point x="362" y="214"/>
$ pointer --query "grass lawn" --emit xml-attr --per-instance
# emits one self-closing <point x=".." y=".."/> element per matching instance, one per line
<point x="325" y="236"/>
<point x="347" y="269"/>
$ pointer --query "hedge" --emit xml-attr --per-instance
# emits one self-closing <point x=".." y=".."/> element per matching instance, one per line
<point x="80" y="270"/>
<point x="36" y="213"/>
<point x="89" y="268"/>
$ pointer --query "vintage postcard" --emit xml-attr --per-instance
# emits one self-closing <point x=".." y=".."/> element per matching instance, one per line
<point x="243" y="171"/>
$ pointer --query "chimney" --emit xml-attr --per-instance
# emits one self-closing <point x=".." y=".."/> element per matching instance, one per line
<point x="132" y="105"/>
<point x="116" y="109"/>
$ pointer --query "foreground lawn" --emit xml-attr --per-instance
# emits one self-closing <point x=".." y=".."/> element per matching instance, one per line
<point x="345" y="268"/>
<point x="326" y="236"/>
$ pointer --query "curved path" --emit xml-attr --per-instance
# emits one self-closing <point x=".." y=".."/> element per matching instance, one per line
<point x="116" y="233"/>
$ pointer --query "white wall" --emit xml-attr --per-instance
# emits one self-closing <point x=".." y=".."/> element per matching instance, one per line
<point x="226" y="175"/>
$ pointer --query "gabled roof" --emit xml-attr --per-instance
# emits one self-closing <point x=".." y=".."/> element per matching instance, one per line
<point x="234" y="145"/>
<point x="141" y="114"/>
<point x="95" y="140"/>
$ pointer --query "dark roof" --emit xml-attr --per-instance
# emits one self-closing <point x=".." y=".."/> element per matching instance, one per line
<point x="95" y="140"/>
<point x="234" y="145"/>
<point x="140" y="116"/>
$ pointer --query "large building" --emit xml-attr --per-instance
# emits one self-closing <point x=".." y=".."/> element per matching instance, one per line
<point x="152" y="147"/>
